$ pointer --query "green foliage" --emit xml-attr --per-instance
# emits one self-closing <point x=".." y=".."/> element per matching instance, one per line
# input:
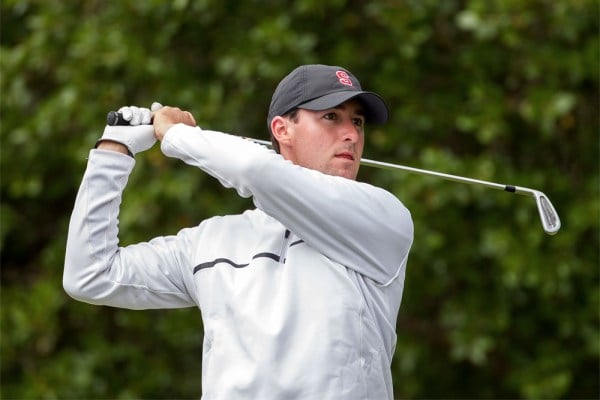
<point x="502" y="90"/>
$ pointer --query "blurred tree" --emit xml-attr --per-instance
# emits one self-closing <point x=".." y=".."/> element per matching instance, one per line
<point x="502" y="90"/>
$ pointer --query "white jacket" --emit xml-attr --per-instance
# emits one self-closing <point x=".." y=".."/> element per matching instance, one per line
<point x="299" y="297"/>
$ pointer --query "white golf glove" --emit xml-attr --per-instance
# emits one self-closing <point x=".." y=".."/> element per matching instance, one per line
<point x="139" y="134"/>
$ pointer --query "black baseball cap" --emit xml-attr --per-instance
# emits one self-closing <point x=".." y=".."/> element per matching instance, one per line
<point x="320" y="87"/>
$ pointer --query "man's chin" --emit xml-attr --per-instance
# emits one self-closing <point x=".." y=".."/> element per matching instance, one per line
<point x="346" y="169"/>
<point x="343" y="173"/>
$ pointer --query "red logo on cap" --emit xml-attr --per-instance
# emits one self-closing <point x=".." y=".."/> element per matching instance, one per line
<point x="344" y="78"/>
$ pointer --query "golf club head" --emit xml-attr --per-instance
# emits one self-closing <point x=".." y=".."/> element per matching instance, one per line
<point x="548" y="215"/>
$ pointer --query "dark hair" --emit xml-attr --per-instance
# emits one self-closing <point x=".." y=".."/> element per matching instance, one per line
<point x="292" y="116"/>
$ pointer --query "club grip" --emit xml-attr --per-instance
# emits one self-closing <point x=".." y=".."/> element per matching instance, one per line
<point x="115" y="118"/>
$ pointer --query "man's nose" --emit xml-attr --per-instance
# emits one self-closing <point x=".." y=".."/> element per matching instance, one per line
<point x="350" y="131"/>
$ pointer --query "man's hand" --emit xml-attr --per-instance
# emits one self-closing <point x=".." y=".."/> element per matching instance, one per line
<point x="166" y="117"/>
<point x="135" y="137"/>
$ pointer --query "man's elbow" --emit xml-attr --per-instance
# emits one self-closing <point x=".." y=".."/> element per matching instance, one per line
<point x="74" y="285"/>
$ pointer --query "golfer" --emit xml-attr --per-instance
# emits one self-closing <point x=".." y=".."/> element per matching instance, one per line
<point x="299" y="296"/>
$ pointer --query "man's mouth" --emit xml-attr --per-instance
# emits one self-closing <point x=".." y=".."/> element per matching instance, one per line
<point x="346" y="155"/>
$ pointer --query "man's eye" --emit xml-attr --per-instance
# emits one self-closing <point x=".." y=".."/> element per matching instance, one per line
<point x="330" y="116"/>
<point x="359" y="122"/>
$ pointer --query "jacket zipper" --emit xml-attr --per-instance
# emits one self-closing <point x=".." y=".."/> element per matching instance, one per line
<point x="284" y="246"/>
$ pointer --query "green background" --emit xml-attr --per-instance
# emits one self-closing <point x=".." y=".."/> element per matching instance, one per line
<point x="505" y="91"/>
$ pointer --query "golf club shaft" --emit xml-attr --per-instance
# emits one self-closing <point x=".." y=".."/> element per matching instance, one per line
<point x="456" y="178"/>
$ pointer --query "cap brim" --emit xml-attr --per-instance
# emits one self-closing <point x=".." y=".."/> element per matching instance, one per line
<point x="376" y="111"/>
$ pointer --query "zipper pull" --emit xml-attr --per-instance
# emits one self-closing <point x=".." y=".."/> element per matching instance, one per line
<point x="284" y="246"/>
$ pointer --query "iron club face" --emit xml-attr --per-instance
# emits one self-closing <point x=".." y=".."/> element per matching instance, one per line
<point x="548" y="215"/>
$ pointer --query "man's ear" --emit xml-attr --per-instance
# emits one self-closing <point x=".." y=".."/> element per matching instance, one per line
<point x="281" y="132"/>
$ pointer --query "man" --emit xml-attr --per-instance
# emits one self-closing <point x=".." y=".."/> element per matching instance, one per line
<point x="299" y="297"/>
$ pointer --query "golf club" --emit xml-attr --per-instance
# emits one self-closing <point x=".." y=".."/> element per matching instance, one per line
<point x="548" y="215"/>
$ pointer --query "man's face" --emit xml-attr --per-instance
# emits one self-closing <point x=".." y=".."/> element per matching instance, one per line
<point x="330" y="141"/>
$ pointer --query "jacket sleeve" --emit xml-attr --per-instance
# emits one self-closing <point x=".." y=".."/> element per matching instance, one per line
<point x="97" y="271"/>
<point x="356" y="224"/>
